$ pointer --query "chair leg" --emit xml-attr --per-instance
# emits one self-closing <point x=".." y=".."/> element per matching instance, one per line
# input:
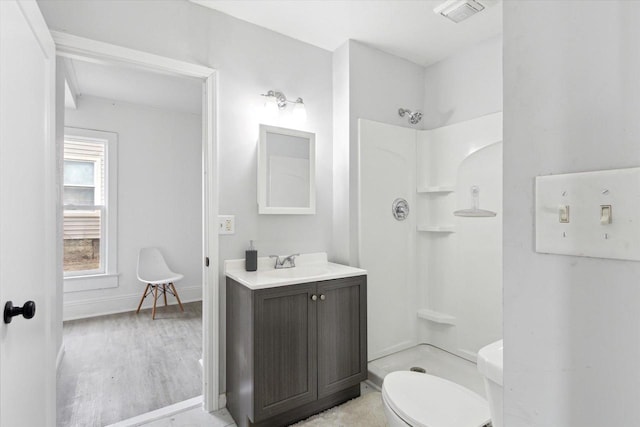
<point x="155" y="299"/>
<point x="144" y="295"/>
<point x="176" y="294"/>
<point x="164" y="292"/>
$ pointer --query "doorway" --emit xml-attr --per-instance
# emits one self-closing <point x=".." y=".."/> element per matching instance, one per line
<point x="93" y="54"/>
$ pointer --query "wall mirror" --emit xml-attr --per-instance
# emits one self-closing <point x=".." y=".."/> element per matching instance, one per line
<point x="286" y="171"/>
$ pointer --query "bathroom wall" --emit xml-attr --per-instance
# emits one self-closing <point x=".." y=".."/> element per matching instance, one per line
<point x="477" y="277"/>
<point x="433" y="278"/>
<point x="459" y="259"/>
<point x="250" y="60"/>
<point x="364" y="73"/>
<point x="378" y="84"/>
<point x="464" y="86"/>
<point x="387" y="246"/>
<point x="159" y="198"/>
<point x="571" y="329"/>
<point x="373" y="85"/>
<point x="459" y="89"/>
<point x="341" y="156"/>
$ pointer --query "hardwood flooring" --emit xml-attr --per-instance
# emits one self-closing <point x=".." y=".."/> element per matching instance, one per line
<point x="122" y="365"/>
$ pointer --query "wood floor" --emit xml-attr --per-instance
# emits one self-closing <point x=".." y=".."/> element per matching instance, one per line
<point x="122" y="365"/>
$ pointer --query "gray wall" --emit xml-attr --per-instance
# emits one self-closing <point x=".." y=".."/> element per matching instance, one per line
<point x="341" y="154"/>
<point x="571" y="328"/>
<point x="464" y="86"/>
<point x="378" y="84"/>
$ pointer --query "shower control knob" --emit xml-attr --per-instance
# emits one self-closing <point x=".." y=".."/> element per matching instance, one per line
<point x="400" y="209"/>
<point x="314" y="297"/>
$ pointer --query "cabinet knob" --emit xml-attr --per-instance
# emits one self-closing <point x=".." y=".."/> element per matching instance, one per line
<point x="322" y="297"/>
<point x="314" y="297"/>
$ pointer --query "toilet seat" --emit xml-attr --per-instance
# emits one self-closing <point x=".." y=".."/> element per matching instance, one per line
<point x="424" y="400"/>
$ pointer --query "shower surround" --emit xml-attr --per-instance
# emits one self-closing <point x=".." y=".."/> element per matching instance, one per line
<point x="434" y="277"/>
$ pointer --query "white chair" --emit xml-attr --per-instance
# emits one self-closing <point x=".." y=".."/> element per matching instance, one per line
<point x="153" y="270"/>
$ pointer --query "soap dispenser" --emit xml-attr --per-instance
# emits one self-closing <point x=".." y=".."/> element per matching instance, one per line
<point x="251" y="258"/>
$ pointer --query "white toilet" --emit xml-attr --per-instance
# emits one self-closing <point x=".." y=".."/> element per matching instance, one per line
<point x="490" y="366"/>
<point x="423" y="400"/>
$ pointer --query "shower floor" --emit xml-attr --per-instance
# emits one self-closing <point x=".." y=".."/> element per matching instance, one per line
<point x="434" y="361"/>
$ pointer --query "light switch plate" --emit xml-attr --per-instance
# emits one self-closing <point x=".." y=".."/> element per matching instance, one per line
<point x="226" y="224"/>
<point x="586" y="193"/>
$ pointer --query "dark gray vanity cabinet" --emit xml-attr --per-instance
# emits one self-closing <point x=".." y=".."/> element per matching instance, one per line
<point x="294" y="350"/>
<point x="285" y="344"/>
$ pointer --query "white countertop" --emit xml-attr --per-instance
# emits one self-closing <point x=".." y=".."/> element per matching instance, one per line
<point x="309" y="268"/>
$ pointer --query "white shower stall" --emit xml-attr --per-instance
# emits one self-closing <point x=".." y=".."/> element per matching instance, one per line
<point x="433" y="278"/>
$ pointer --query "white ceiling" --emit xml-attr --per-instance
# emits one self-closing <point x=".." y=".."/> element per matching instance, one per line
<point x="406" y="28"/>
<point x="135" y="86"/>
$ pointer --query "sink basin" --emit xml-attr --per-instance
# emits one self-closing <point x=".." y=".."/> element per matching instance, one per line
<point x="310" y="268"/>
<point x="297" y="272"/>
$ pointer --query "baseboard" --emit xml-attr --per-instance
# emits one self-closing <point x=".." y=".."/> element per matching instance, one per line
<point x="60" y="356"/>
<point x="161" y="413"/>
<point x="122" y="303"/>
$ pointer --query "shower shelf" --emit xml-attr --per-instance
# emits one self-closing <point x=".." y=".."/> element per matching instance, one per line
<point x="436" y="317"/>
<point x="437" y="228"/>
<point x="440" y="189"/>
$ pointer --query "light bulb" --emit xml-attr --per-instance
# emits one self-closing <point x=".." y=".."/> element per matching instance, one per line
<point x="270" y="107"/>
<point x="299" y="111"/>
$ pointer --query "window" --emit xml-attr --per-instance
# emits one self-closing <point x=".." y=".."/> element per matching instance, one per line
<point x="89" y="199"/>
<point x="80" y="176"/>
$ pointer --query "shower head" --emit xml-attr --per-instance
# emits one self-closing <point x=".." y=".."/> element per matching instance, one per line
<point x="414" y="118"/>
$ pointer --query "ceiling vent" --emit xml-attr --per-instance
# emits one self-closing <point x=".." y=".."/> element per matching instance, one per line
<point x="459" y="10"/>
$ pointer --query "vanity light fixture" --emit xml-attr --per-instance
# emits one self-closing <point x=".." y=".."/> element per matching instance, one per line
<point x="278" y="101"/>
<point x="414" y="118"/>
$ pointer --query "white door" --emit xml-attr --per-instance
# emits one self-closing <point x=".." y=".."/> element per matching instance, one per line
<point x="28" y="250"/>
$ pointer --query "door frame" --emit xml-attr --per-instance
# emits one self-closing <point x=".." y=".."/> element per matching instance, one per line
<point x="75" y="47"/>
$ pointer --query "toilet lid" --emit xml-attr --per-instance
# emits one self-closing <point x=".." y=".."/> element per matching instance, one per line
<point x="424" y="400"/>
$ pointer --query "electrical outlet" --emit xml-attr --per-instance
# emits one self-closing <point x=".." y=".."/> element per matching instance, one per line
<point x="226" y="224"/>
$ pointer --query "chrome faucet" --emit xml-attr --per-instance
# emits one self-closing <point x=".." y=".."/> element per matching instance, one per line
<point x="281" y="261"/>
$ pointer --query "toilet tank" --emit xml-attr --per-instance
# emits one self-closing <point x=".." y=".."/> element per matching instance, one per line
<point x="490" y="366"/>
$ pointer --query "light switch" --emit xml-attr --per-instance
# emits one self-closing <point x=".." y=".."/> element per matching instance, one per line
<point x="226" y="224"/>
<point x="605" y="214"/>
<point x="574" y="214"/>
<point x="563" y="213"/>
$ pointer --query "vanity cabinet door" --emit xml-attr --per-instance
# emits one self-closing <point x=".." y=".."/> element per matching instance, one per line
<point x="342" y="337"/>
<point x="285" y="349"/>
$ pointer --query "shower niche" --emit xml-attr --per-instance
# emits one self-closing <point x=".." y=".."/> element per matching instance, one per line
<point x="434" y="188"/>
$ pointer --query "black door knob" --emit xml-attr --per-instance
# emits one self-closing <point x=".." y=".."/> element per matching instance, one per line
<point x="28" y="310"/>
